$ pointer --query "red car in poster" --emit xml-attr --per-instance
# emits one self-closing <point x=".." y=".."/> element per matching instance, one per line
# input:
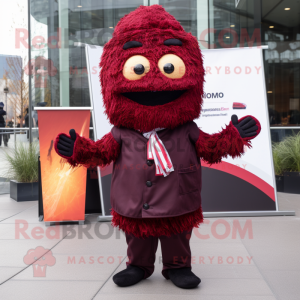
<point x="238" y="105"/>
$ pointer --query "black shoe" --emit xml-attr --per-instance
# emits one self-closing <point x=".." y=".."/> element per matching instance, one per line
<point x="184" y="278"/>
<point x="130" y="276"/>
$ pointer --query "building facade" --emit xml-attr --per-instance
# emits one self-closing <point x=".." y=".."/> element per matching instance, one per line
<point x="10" y="67"/>
<point x="59" y="28"/>
<point x="10" y="77"/>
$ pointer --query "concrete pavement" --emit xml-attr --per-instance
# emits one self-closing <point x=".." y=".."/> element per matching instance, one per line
<point x="261" y="263"/>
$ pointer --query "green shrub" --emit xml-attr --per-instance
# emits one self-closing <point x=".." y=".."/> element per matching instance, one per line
<point x="286" y="155"/>
<point x="23" y="162"/>
<point x="276" y="159"/>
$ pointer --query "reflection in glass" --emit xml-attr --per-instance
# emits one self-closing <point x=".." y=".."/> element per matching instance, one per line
<point x="233" y="25"/>
<point x="278" y="135"/>
<point x="184" y="11"/>
<point x="282" y="69"/>
<point x="63" y="25"/>
<point x="223" y="24"/>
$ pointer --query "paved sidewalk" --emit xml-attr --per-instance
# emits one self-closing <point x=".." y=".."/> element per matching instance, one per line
<point x="264" y="265"/>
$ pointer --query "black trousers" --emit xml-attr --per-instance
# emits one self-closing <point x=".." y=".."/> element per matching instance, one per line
<point x="176" y="252"/>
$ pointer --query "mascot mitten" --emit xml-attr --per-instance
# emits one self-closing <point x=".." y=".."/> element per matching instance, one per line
<point x="152" y="84"/>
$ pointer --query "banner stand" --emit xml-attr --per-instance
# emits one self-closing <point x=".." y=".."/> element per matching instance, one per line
<point x="62" y="189"/>
<point x="258" y="213"/>
<point x="225" y="214"/>
<point x="47" y="224"/>
<point x="102" y="126"/>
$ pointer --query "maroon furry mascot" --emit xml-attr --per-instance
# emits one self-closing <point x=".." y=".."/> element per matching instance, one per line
<point x="152" y="84"/>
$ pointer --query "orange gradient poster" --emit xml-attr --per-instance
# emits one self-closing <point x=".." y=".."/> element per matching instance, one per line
<point x="63" y="188"/>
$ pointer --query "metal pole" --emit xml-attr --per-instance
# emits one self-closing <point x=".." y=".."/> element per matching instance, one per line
<point x="6" y="107"/>
<point x="29" y="81"/>
<point x="257" y="18"/>
<point x="15" y="127"/>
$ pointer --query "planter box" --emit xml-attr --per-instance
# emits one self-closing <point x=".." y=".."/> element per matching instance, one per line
<point x="279" y="183"/>
<point x="292" y="182"/>
<point x="21" y="191"/>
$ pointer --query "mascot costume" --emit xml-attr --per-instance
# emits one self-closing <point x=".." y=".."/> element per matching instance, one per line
<point x="152" y="79"/>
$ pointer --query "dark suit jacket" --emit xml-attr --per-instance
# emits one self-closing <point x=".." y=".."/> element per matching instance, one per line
<point x="137" y="192"/>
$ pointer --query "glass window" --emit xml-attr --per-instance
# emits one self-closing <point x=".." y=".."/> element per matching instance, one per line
<point x="234" y="23"/>
<point x="280" y="26"/>
<point x="277" y="135"/>
<point x="184" y="11"/>
<point x="58" y="62"/>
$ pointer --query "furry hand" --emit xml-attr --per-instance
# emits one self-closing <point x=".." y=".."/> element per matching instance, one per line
<point x="247" y="127"/>
<point x="65" y="144"/>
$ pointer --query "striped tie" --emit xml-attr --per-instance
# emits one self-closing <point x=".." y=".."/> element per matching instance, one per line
<point x="156" y="151"/>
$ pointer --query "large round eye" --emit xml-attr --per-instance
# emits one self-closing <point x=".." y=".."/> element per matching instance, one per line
<point x="171" y="66"/>
<point x="139" y="69"/>
<point x="136" y="67"/>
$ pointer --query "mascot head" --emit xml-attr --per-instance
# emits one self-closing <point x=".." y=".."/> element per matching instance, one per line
<point x="151" y="72"/>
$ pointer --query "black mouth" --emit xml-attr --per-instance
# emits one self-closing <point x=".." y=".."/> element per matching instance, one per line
<point x="152" y="98"/>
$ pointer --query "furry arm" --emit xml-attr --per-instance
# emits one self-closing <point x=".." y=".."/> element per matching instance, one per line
<point x="212" y="148"/>
<point x="91" y="154"/>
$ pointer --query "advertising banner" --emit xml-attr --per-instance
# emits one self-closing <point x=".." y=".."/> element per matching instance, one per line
<point x="63" y="188"/>
<point x="235" y="84"/>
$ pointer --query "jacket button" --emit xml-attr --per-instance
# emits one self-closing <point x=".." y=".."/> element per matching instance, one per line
<point x="149" y="163"/>
<point x="149" y="183"/>
<point x="146" y="206"/>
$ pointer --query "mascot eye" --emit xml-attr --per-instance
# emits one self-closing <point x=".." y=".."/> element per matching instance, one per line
<point x="172" y="66"/>
<point x="139" y="69"/>
<point x="169" y="68"/>
<point x="136" y="67"/>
